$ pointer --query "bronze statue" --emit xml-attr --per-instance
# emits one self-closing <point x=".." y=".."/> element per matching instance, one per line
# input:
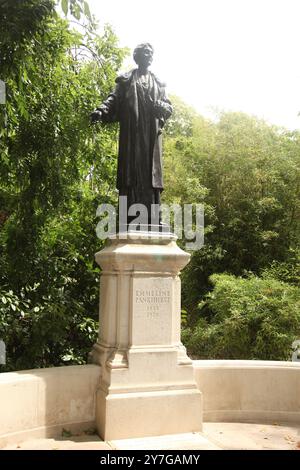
<point x="139" y="103"/>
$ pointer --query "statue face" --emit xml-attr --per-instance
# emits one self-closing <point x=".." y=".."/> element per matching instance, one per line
<point x="144" y="56"/>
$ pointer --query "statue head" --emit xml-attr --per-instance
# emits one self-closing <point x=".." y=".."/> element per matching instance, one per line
<point x="143" y="54"/>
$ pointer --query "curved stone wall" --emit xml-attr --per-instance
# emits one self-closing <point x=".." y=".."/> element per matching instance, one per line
<point x="43" y="402"/>
<point x="249" y="391"/>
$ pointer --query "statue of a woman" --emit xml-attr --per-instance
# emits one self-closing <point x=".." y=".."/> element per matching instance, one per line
<point x="139" y="103"/>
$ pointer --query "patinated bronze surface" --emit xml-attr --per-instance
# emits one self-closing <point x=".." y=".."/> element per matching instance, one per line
<point x="139" y="103"/>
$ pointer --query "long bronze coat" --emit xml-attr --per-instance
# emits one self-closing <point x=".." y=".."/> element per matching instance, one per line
<point x="142" y="114"/>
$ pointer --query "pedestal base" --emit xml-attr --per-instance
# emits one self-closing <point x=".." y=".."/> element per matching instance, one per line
<point x="141" y="414"/>
<point x="147" y="383"/>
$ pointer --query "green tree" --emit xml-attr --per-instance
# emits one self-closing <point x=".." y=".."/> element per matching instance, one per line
<point x="247" y="175"/>
<point x="55" y="170"/>
<point x="253" y="318"/>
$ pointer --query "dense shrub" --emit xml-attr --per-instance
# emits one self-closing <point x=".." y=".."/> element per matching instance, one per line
<point x="251" y="318"/>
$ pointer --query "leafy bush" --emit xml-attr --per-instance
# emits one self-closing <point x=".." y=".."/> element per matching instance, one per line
<point x="55" y="169"/>
<point x="247" y="175"/>
<point x="51" y="332"/>
<point x="252" y="318"/>
<point x="287" y="271"/>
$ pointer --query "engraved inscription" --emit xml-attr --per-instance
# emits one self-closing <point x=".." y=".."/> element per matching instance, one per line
<point x="153" y="296"/>
<point x="152" y="299"/>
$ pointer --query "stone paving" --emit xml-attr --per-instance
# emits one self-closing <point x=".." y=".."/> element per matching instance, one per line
<point x="215" y="436"/>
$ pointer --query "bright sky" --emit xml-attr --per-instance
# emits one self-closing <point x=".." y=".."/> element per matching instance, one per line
<point x="240" y="55"/>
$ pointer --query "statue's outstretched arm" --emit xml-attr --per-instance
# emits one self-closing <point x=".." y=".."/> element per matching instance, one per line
<point x="108" y="110"/>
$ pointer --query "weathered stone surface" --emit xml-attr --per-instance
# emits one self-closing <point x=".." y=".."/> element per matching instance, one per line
<point x="147" y="385"/>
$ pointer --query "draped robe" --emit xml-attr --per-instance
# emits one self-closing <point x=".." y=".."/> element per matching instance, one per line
<point x="141" y="108"/>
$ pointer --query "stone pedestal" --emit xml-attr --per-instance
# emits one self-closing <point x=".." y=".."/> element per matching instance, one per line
<point x="147" y="385"/>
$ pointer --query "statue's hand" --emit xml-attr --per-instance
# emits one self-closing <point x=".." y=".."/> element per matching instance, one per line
<point x="96" y="116"/>
<point x="159" y="107"/>
<point x="162" y="109"/>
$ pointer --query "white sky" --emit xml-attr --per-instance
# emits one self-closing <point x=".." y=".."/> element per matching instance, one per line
<point x="240" y="55"/>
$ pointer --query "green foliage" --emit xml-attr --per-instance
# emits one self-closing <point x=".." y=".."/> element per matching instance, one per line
<point x="247" y="175"/>
<point x="77" y="8"/>
<point x="44" y="330"/>
<point x="286" y="271"/>
<point x="182" y="119"/>
<point x="55" y="169"/>
<point x="252" y="318"/>
<point x="54" y="172"/>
